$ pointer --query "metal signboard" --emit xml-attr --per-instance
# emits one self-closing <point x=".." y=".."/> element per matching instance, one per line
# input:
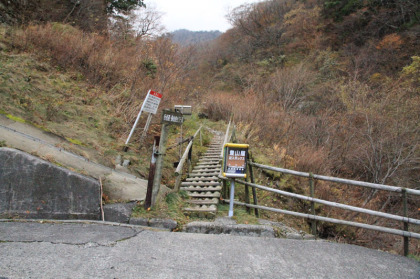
<point x="171" y="117"/>
<point x="152" y="101"/>
<point x="234" y="160"/>
<point x="185" y="110"/>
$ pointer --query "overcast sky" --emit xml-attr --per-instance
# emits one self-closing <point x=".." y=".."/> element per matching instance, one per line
<point x="196" y="15"/>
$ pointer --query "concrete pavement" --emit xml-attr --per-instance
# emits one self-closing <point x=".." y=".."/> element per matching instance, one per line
<point x="83" y="250"/>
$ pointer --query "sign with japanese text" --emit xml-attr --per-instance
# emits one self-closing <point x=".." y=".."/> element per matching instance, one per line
<point x="152" y="101"/>
<point x="171" y="117"/>
<point x="234" y="160"/>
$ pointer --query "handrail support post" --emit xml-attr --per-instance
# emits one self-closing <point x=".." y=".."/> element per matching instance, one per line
<point x="254" y="192"/>
<point x="405" y="213"/>
<point x="312" y="192"/>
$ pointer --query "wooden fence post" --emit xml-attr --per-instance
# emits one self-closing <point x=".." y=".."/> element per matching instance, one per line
<point x="254" y="193"/>
<point x="152" y="170"/>
<point x="159" y="162"/>
<point x="190" y="160"/>
<point x="248" y="209"/>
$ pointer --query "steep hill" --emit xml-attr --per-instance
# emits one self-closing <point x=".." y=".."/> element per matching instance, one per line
<point x="185" y="37"/>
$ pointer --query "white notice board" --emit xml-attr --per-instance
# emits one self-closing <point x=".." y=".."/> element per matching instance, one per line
<point x="151" y="103"/>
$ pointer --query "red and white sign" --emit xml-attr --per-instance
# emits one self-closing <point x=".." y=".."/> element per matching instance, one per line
<point x="151" y="103"/>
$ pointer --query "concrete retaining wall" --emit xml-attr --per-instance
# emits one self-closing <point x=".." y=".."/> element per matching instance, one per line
<point x="34" y="188"/>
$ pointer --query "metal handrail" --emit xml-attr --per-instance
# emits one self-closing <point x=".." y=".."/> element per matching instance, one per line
<point x="340" y="180"/>
<point x="334" y="204"/>
<point x="336" y="221"/>
<point x="405" y="233"/>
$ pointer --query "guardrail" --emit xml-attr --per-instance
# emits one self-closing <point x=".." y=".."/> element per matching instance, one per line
<point x="187" y="154"/>
<point x="404" y="192"/>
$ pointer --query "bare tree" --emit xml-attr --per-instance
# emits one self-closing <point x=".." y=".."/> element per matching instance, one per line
<point x="290" y="85"/>
<point x="386" y="148"/>
<point x="147" y="22"/>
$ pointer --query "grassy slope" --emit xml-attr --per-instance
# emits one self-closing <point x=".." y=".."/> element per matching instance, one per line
<point x="34" y="91"/>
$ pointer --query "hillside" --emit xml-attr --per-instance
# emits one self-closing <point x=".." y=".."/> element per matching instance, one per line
<point x="185" y="37"/>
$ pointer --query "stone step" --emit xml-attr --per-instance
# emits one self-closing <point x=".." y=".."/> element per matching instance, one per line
<point x="210" y="178"/>
<point x="205" y="170"/>
<point x="208" y="163"/>
<point x="205" y="201"/>
<point x="202" y="208"/>
<point x="207" y="166"/>
<point x="204" y="194"/>
<point x="201" y="183"/>
<point x="211" y="155"/>
<point x="195" y="175"/>
<point x="201" y="189"/>
<point x="211" y="158"/>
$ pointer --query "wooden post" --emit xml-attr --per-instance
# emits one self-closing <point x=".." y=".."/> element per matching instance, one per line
<point x="247" y="198"/>
<point x="312" y="190"/>
<point x="180" y="146"/>
<point x="404" y="196"/>
<point x="152" y="170"/>
<point x="159" y="162"/>
<point x="190" y="159"/>
<point x="224" y="189"/>
<point x="254" y="193"/>
<point x="201" y="139"/>
<point x="248" y="209"/>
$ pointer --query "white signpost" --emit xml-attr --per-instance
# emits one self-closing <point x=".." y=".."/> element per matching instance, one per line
<point x="150" y="105"/>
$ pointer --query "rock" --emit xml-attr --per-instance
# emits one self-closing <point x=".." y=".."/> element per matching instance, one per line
<point x="294" y="236"/>
<point x="309" y="237"/>
<point x="118" y="159"/>
<point x="139" y="221"/>
<point x="168" y="224"/>
<point x="34" y="188"/>
<point x="222" y="227"/>
<point x="118" y="212"/>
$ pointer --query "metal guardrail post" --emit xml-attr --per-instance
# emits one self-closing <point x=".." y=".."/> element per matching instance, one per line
<point x="404" y="196"/>
<point x="312" y="191"/>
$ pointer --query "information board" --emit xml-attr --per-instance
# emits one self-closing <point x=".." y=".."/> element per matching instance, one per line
<point x="234" y="160"/>
<point x="152" y="101"/>
<point x="171" y="117"/>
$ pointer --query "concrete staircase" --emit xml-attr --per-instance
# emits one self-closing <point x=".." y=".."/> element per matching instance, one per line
<point x="203" y="185"/>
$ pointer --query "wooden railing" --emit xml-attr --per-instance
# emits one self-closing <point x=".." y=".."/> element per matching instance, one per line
<point x="187" y="154"/>
<point x="403" y="191"/>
